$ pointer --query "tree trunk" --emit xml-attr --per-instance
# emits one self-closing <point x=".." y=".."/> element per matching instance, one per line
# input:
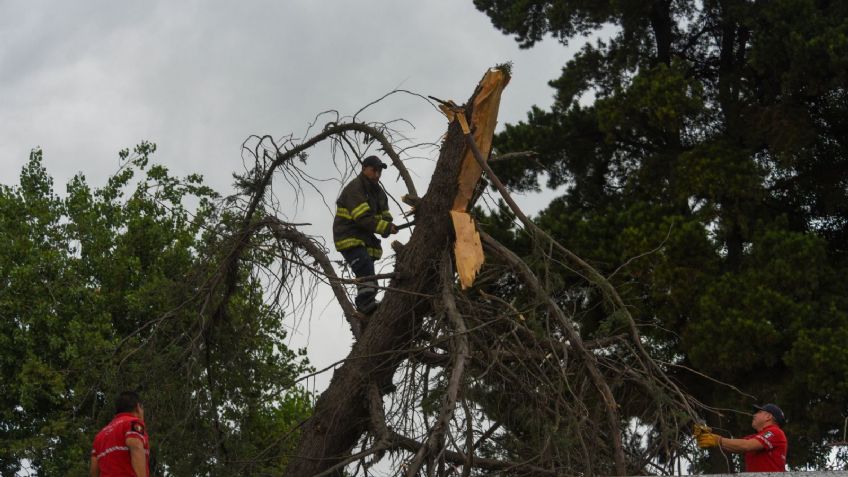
<point x="341" y="413"/>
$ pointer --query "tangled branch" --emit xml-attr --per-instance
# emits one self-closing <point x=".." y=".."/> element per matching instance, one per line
<point x="508" y="353"/>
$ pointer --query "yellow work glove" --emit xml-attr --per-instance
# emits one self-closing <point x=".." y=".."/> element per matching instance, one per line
<point x="708" y="439"/>
<point x="705" y="437"/>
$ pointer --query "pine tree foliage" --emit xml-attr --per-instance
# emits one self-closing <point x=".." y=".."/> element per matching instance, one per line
<point x="703" y="149"/>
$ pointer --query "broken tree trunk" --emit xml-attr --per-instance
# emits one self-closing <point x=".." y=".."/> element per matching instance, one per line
<point x="342" y="412"/>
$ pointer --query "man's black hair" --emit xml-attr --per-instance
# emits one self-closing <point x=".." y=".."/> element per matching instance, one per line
<point x="126" y="402"/>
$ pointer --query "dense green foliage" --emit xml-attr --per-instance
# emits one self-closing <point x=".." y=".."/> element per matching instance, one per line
<point x="105" y="290"/>
<point x="703" y="145"/>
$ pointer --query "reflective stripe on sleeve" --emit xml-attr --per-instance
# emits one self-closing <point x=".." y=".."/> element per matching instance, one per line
<point x="112" y="449"/>
<point x="359" y="210"/>
<point x="764" y="441"/>
<point x="382" y="226"/>
<point x="343" y="213"/>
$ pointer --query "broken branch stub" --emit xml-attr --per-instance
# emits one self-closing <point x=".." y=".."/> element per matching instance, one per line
<point x="468" y="250"/>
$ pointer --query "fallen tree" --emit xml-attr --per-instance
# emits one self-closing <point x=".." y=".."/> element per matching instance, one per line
<point x="477" y="383"/>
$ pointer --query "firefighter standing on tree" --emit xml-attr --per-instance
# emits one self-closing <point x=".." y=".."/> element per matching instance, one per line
<point x="362" y="210"/>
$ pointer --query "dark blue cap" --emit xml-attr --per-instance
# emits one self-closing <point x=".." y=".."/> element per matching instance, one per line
<point x="373" y="161"/>
<point x="774" y="410"/>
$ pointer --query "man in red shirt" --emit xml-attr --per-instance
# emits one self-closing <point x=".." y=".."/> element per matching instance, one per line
<point x="764" y="451"/>
<point x="122" y="448"/>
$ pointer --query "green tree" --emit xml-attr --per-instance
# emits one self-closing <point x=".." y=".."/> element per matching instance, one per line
<point x="108" y="289"/>
<point x="711" y="134"/>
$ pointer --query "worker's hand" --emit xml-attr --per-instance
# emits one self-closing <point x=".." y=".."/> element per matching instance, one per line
<point x="708" y="439"/>
<point x="700" y="428"/>
<point x="393" y="229"/>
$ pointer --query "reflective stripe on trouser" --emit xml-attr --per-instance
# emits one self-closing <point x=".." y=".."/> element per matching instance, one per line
<point x="365" y="293"/>
<point x="362" y="265"/>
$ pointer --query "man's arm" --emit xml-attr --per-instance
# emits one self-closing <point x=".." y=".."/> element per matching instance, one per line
<point x="94" y="469"/>
<point x="740" y="445"/>
<point x="138" y="458"/>
<point x="367" y="220"/>
<point x="708" y="439"/>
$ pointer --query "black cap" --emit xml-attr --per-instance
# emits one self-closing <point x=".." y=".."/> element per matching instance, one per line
<point x="373" y="161"/>
<point x="774" y="410"/>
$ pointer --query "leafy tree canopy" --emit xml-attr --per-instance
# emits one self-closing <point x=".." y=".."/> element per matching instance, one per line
<point x="101" y="292"/>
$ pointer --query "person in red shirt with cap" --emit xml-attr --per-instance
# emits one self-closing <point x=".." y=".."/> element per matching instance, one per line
<point x="764" y="451"/>
<point x="122" y="448"/>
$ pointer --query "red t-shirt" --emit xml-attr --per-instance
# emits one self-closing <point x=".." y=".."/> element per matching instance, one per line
<point x="110" y="446"/>
<point x="772" y="457"/>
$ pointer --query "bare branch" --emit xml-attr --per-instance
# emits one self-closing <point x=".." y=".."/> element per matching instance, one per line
<point x="509" y="348"/>
<point x="613" y="419"/>
<point x="435" y="441"/>
<point x="514" y="155"/>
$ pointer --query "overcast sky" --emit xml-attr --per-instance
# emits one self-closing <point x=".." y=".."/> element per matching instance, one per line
<point x="84" y="79"/>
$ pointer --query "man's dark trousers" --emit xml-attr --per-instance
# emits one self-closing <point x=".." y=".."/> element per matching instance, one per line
<point x="363" y="266"/>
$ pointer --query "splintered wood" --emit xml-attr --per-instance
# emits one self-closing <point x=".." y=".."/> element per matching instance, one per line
<point x="467" y="248"/>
